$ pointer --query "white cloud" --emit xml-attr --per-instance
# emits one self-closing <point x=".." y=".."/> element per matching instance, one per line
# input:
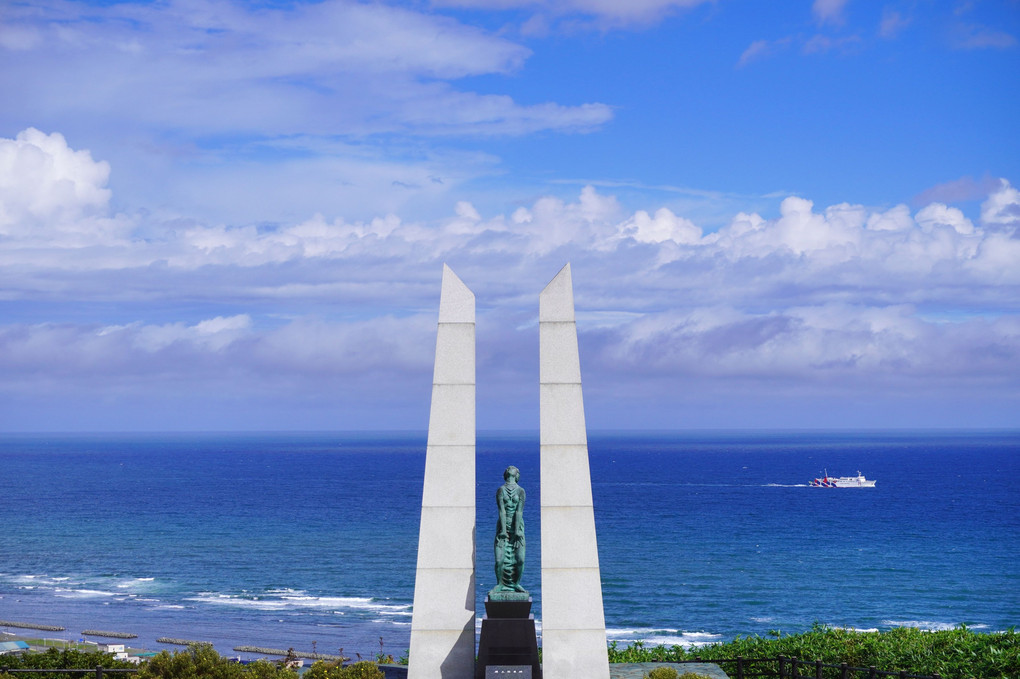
<point x="892" y="24"/>
<point x="836" y="246"/>
<point x="227" y="350"/>
<point x="938" y="215"/>
<point x="813" y="297"/>
<point x="976" y="36"/>
<point x="664" y="226"/>
<point x="891" y="345"/>
<point x="894" y="219"/>
<point x="52" y="193"/>
<point x="756" y="50"/>
<point x="224" y="67"/>
<point x="828" y="11"/>
<point x="1002" y="208"/>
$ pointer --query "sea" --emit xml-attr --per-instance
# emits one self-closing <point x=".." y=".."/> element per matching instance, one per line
<point x="309" y="540"/>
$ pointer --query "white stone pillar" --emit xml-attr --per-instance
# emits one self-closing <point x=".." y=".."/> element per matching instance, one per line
<point x="573" y="621"/>
<point x="443" y="619"/>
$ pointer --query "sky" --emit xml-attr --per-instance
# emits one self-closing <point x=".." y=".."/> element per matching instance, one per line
<point x="224" y="215"/>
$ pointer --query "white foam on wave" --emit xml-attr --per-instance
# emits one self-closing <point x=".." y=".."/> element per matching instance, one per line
<point x="134" y="583"/>
<point x="64" y="583"/>
<point x="929" y="625"/>
<point x="662" y="637"/>
<point x="297" y="601"/>
<point x="84" y="593"/>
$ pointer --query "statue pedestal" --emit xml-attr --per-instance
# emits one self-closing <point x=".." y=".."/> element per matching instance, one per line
<point x="508" y="637"/>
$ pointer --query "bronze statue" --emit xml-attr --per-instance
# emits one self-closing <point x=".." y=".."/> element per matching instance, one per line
<point x="509" y="545"/>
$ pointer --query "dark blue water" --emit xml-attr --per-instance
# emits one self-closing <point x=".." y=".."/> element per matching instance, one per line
<point x="287" y="539"/>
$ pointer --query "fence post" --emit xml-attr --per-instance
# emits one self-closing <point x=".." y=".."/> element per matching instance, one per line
<point x="99" y="672"/>
<point x="872" y="672"/>
<point x="818" y="669"/>
<point x="740" y="667"/>
<point x="844" y="671"/>
<point x="782" y="667"/>
<point x="793" y="667"/>
<point x="903" y="674"/>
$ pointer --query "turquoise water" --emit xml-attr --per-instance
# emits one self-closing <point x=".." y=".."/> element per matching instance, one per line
<point x="283" y="540"/>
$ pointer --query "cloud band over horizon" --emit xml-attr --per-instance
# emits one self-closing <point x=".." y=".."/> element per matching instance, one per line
<point x="325" y="323"/>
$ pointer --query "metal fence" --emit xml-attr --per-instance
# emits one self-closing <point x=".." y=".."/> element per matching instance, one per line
<point x="97" y="672"/>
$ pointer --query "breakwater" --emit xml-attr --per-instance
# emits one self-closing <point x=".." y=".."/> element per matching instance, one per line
<point x="278" y="651"/>
<point x="181" y="642"/>
<point x="111" y="635"/>
<point x="29" y="625"/>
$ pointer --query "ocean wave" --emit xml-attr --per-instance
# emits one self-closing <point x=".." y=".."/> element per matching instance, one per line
<point x="929" y="625"/>
<point x="96" y="583"/>
<point x="662" y="637"/>
<point x="271" y="601"/>
<point x="84" y="593"/>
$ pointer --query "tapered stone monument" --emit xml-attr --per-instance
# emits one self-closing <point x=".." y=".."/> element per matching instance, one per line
<point x="443" y="619"/>
<point x="573" y="621"/>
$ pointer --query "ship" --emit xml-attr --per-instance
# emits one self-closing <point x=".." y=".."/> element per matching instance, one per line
<point x="826" y="481"/>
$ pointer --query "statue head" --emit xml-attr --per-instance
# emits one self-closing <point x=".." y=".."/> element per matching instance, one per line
<point x="512" y="472"/>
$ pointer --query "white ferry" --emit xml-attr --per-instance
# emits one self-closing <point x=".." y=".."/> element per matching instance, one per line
<point x="827" y="481"/>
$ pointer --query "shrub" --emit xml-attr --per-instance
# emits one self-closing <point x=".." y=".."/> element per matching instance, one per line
<point x="662" y="673"/>
<point x="359" y="670"/>
<point x="59" y="659"/>
<point x="203" y="662"/>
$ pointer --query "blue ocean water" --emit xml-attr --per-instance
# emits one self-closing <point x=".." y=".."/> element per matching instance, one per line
<point x="302" y="540"/>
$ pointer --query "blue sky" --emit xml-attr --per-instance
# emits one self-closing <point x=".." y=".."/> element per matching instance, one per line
<point x="229" y="215"/>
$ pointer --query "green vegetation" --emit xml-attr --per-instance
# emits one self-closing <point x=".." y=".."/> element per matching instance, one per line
<point x="954" y="654"/>
<point x="203" y="661"/>
<point x="662" y="673"/>
<point x="54" y="659"/>
<point x="359" y="670"/>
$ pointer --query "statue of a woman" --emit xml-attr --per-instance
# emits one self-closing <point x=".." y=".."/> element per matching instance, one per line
<point x="509" y="544"/>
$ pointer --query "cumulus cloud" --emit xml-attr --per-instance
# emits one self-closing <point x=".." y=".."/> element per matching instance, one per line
<point x="838" y="242"/>
<point x="809" y="297"/>
<point x="51" y="193"/>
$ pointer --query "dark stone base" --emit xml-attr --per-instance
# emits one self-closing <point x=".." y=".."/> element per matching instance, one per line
<point x="508" y="638"/>
<point x="508" y="672"/>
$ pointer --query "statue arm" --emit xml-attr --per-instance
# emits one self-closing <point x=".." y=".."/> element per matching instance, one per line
<point x="519" y="520"/>
<point x="501" y="527"/>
